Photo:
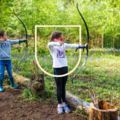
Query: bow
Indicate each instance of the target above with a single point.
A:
(87, 42)
(26, 35)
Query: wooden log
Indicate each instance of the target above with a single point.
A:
(36, 83)
(105, 111)
(77, 103)
(24, 81)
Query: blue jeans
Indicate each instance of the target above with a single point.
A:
(8, 65)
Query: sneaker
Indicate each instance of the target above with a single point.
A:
(66, 108)
(60, 110)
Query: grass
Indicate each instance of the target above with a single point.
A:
(19, 108)
(12, 106)
(81, 112)
(101, 74)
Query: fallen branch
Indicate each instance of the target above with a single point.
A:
(24, 81)
(77, 103)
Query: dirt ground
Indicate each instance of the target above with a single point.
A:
(13, 107)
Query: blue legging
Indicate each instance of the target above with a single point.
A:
(61, 83)
(6, 63)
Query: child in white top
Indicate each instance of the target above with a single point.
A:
(57, 50)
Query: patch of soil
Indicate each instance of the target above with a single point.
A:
(13, 107)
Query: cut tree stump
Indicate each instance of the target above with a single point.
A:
(105, 111)
(37, 85)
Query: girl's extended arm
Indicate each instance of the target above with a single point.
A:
(67, 46)
(16, 41)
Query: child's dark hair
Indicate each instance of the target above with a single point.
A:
(55, 34)
(2, 33)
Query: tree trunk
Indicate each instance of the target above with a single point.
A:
(20, 79)
(102, 40)
(92, 43)
(113, 35)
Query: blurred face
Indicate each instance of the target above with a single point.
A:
(59, 39)
(4, 36)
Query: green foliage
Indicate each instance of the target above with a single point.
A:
(27, 93)
(102, 18)
(42, 51)
(81, 112)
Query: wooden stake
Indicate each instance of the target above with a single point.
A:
(112, 97)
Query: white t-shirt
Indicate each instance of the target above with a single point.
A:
(58, 53)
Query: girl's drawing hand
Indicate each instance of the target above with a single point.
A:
(86, 45)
